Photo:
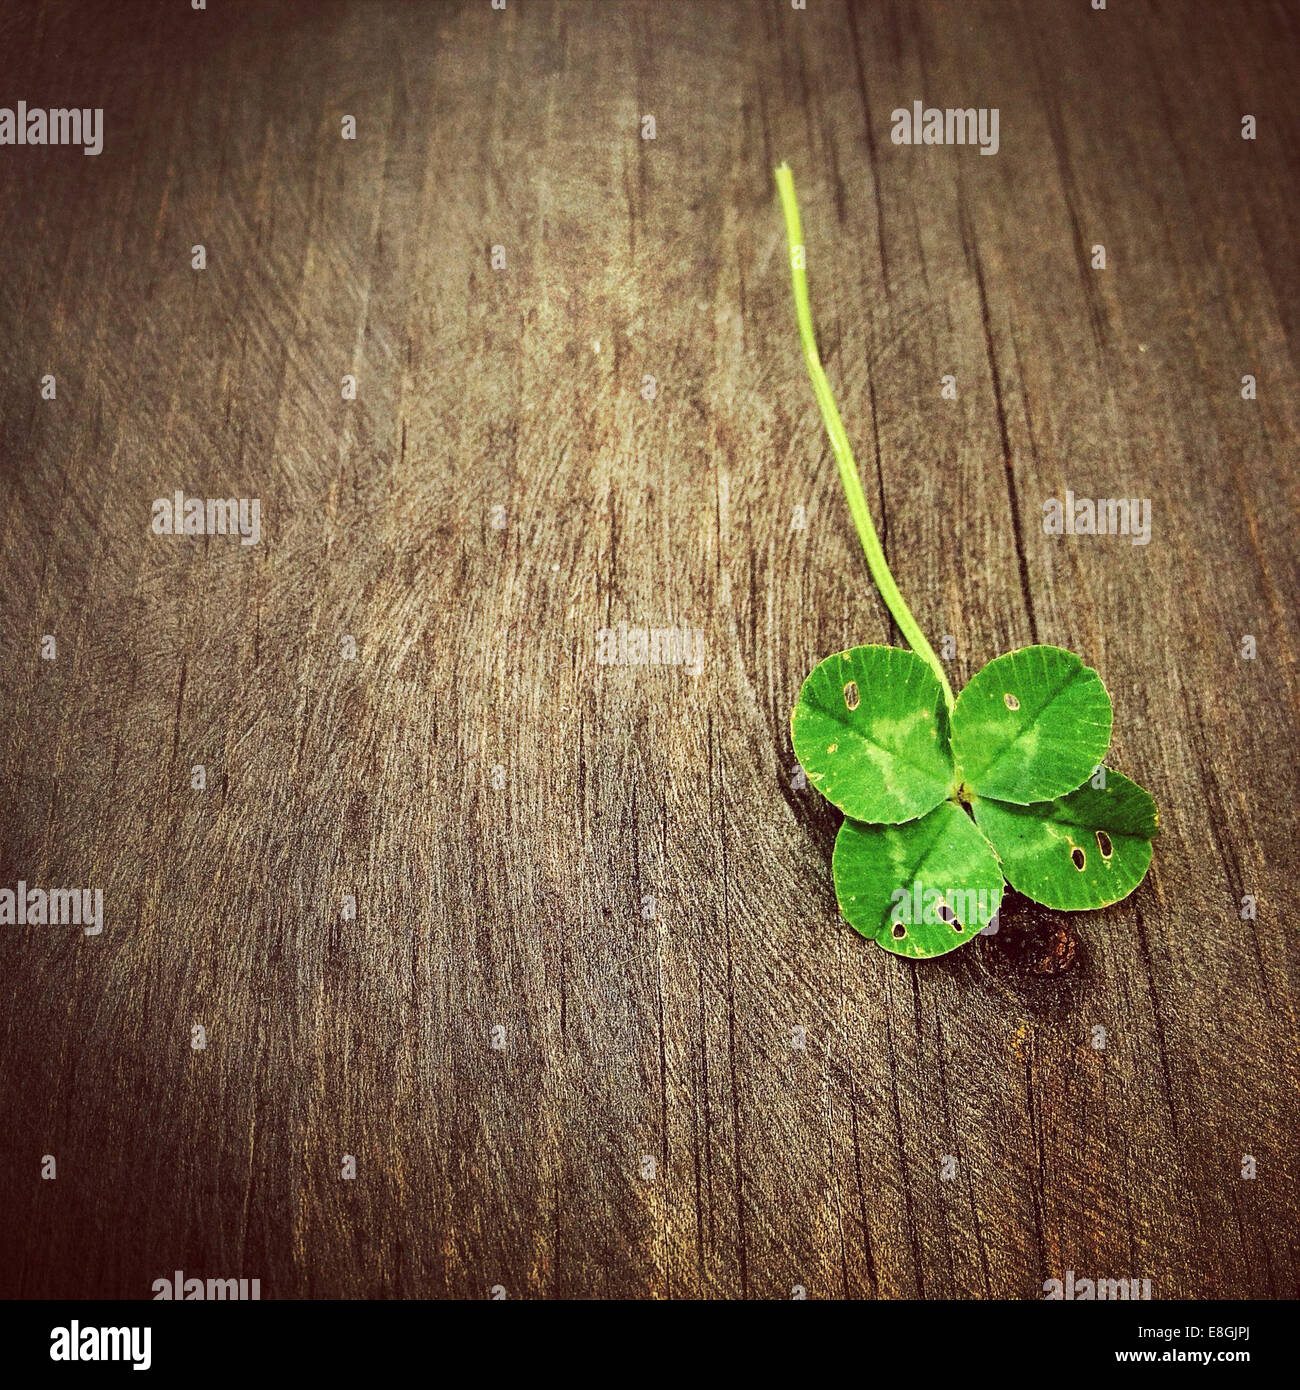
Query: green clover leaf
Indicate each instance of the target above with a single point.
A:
(880, 735)
(919, 889)
(1032, 725)
(871, 732)
(1087, 849)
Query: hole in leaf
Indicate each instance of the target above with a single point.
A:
(900, 931)
(1104, 844)
(852, 697)
(1079, 858)
(1010, 700)
(946, 915)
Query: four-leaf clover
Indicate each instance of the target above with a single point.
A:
(945, 798)
(1022, 748)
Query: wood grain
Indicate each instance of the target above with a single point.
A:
(632, 1029)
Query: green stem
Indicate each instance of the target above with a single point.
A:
(857, 500)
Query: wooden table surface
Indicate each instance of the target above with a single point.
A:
(594, 911)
